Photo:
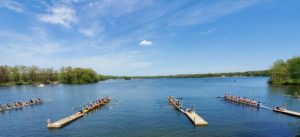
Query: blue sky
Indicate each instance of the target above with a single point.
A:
(149, 37)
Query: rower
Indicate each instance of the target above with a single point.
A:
(177, 103)
(259, 104)
(49, 121)
(79, 112)
(15, 104)
(25, 103)
(278, 108)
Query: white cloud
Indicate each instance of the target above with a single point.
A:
(196, 15)
(209, 31)
(33, 44)
(12, 5)
(35, 49)
(61, 15)
(92, 30)
(112, 62)
(145, 43)
(110, 52)
(114, 7)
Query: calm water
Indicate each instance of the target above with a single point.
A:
(140, 108)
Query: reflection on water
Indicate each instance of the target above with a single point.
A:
(289, 90)
(286, 96)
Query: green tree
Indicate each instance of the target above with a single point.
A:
(16, 75)
(4, 74)
(279, 72)
(24, 73)
(294, 68)
(33, 74)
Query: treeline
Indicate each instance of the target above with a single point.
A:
(286, 72)
(21, 75)
(71, 75)
(230, 74)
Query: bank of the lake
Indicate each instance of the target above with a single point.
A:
(140, 108)
(285, 72)
(33, 75)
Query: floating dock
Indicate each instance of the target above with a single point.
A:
(195, 118)
(65, 121)
(288, 112)
(192, 115)
(71, 118)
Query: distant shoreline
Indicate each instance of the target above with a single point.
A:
(263, 73)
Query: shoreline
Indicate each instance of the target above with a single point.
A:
(141, 77)
(115, 78)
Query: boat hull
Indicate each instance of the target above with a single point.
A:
(253, 105)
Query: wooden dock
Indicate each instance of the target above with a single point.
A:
(71, 118)
(65, 121)
(288, 112)
(192, 115)
(195, 118)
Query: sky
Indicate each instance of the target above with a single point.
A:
(149, 37)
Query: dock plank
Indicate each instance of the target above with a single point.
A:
(288, 112)
(64, 121)
(71, 118)
(196, 119)
(192, 115)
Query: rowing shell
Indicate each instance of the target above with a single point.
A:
(256, 105)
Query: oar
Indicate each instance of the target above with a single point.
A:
(264, 107)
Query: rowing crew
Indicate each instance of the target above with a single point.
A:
(94, 105)
(19, 104)
(242, 100)
(175, 102)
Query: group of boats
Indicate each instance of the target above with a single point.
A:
(20, 104)
(258, 104)
(191, 114)
(86, 109)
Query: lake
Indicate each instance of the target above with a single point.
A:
(139, 108)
